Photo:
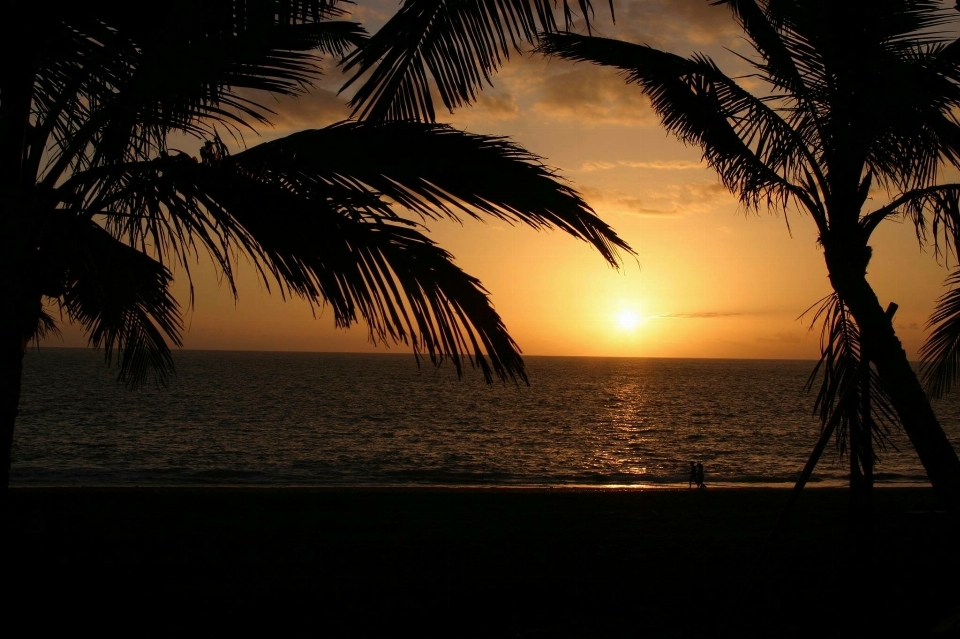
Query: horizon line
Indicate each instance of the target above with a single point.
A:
(427, 357)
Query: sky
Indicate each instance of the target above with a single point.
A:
(709, 279)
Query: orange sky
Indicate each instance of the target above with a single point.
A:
(710, 279)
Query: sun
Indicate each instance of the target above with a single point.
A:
(628, 319)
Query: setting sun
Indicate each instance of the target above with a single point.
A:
(628, 319)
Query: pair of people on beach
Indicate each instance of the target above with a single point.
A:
(696, 476)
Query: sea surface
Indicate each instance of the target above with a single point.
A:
(329, 419)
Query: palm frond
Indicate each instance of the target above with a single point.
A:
(940, 354)
(312, 211)
(900, 122)
(752, 148)
(850, 396)
(327, 243)
(121, 84)
(435, 170)
(122, 299)
(934, 212)
(458, 44)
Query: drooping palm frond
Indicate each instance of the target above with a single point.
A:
(312, 211)
(935, 214)
(458, 44)
(940, 354)
(122, 298)
(362, 261)
(850, 396)
(755, 152)
(435, 170)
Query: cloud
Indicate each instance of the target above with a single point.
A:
(658, 165)
(677, 25)
(673, 200)
(590, 95)
(372, 14)
(491, 104)
(703, 315)
(316, 109)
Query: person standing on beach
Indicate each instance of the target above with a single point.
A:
(699, 473)
(693, 476)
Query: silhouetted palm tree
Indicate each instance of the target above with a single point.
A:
(96, 207)
(858, 93)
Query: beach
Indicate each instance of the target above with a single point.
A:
(487, 562)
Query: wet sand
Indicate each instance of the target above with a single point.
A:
(483, 562)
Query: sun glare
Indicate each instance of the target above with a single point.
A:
(628, 319)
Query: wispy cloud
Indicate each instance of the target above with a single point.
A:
(590, 95)
(491, 104)
(703, 315)
(674, 23)
(317, 108)
(673, 200)
(781, 338)
(657, 165)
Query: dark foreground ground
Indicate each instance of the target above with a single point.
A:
(479, 563)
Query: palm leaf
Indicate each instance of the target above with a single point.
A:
(311, 210)
(458, 44)
(122, 298)
(363, 261)
(940, 354)
(850, 395)
(934, 212)
(435, 170)
(132, 81)
(752, 148)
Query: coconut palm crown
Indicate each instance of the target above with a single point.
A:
(97, 208)
(859, 95)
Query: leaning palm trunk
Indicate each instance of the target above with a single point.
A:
(11, 368)
(898, 378)
(16, 317)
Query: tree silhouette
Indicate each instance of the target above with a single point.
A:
(857, 94)
(97, 208)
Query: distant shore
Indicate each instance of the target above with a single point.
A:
(500, 562)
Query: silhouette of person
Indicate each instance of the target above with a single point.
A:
(693, 475)
(700, 483)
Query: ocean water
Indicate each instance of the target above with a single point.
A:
(243, 418)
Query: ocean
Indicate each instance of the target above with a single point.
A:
(338, 419)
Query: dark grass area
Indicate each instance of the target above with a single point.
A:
(484, 563)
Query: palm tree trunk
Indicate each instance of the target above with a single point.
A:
(898, 378)
(12, 349)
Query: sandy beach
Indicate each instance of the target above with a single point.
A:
(501, 562)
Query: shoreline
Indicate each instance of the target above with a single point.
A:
(415, 487)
